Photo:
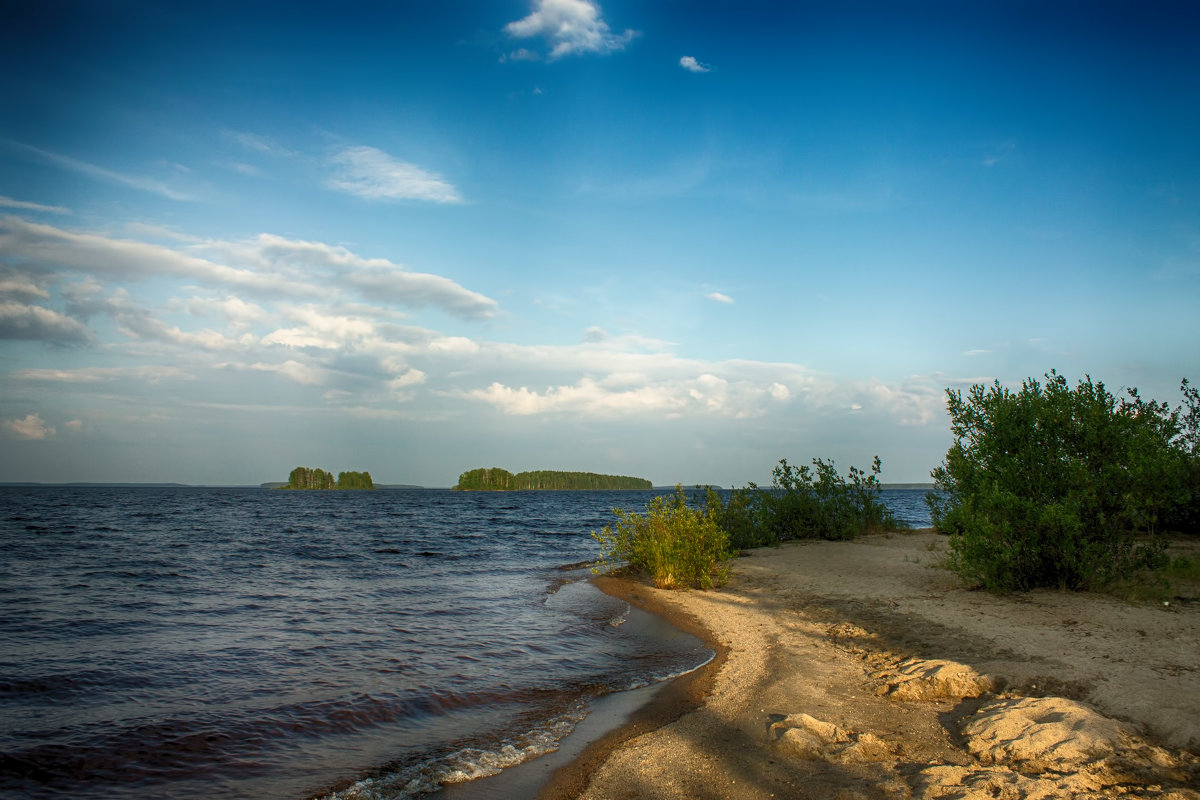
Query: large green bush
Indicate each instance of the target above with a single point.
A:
(1186, 517)
(680, 546)
(1057, 487)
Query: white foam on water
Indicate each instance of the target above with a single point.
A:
(467, 764)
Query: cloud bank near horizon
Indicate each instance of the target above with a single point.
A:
(268, 322)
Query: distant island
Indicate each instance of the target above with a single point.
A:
(496, 479)
(308, 478)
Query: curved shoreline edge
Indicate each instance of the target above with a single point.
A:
(671, 701)
(857, 669)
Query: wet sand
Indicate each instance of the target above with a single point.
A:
(858, 670)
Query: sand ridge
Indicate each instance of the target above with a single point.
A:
(856, 670)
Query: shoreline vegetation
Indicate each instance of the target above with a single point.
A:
(684, 542)
(496, 479)
(855, 661)
(309, 479)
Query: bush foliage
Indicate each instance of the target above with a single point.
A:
(803, 503)
(1058, 487)
(682, 544)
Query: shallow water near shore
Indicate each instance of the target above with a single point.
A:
(194, 642)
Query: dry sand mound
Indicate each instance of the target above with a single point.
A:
(1042, 734)
(808, 737)
(937, 679)
(1051, 747)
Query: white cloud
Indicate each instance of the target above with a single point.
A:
(22, 287)
(237, 311)
(720, 298)
(586, 397)
(267, 266)
(291, 369)
(46, 248)
(21, 321)
(596, 334)
(692, 65)
(375, 175)
(31, 427)
(571, 26)
(151, 373)
(321, 328)
(417, 289)
(407, 379)
(631, 394)
(24, 205)
(916, 401)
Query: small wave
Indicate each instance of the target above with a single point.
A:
(575, 566)
(662, 677)
(467, 764)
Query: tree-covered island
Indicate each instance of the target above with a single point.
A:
(308, 478)
(496, 479)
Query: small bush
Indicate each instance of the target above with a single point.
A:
(821, 504)
(678, 545)
(740, 516)
(803, 503)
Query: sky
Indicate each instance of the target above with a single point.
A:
(675, 240)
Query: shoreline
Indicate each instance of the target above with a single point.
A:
(668, 703)
(856, 670)
(612, 719)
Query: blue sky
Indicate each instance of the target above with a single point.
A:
(678, 240)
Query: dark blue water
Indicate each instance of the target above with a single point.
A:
(191, 642)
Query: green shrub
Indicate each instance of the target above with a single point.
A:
(802, 503)
(740, 516)
(678, 545)
(819, 503)
(1054, 487)
(1186, 516)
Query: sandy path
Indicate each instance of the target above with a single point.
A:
(856, 670)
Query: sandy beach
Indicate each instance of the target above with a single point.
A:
(850, 670)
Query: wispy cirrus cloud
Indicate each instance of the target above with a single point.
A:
(25, 205)
(256, 143)
(99, 173)
(571, 26)
(692, 65)
(373, 174)
(718, 297)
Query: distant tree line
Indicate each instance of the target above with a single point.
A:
(495, 479)
(309, 478)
